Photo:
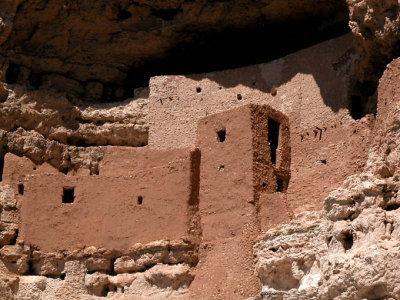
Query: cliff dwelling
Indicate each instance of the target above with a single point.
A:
(199, 149)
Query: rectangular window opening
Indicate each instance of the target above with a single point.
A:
(221, 135)
(280, 185)
(273, 138)
(21, 188)
(68, 195)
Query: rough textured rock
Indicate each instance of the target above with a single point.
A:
(350, 250)
(46, 127)
(95, 48)
(61, 61)
(376, 24)
(88, 272)
(165, 276)
(15, 258)
(8, 215)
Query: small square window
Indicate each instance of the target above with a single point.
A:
(221, 135)
(68, 195)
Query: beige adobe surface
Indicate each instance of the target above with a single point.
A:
(311, 90)
(349, 250)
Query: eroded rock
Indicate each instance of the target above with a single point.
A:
(16, 258)
(350, 249)
(164, 276)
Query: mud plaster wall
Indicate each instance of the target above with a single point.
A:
(227, 210)
(106, 212)
(311, 90)
(232, 171)
(271, 160)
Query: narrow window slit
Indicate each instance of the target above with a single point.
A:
(1, 165)
(21, 188)
(279, 185)
(273, 138)
(140, 200)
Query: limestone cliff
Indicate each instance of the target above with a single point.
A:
(350, 249)
(74, 85)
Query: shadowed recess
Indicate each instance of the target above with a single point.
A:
(149, 40)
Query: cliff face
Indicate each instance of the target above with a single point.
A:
(58, 58)
(74, 79)
(102, 49)
(350, 249)
(376, 24)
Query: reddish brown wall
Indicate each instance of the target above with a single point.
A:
(225, 192)
(312, 90)
(106, 212)
(232, 174)
(226, 207)
(322, 159)
(265, 171)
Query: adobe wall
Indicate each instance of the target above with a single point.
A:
(322, 157)
(310, 87)
(234, 171)
(106, 211)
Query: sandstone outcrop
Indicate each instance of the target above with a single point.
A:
(97, 49)
(126, 187)
(350, 249)
(376, 24)
(46, 127)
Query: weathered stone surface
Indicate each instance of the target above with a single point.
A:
(94, 264)
(122, 281)
(63, 59)
(15, 258)
(104, 41)
(48, 265)
(350, 249)
(376, 24)
(127, 264)
(97, 284)
(7, 197)
(47, 128)
(164, 276)
(5, 290)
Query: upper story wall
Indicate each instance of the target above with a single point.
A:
(242, 155)
(311, 89)
(140, 195)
